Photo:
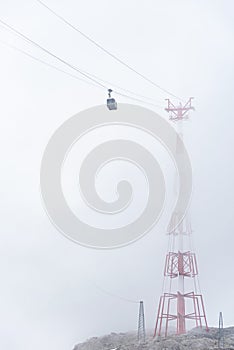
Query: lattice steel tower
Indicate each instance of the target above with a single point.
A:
(141, 323)
(221, 332)
(180, 301)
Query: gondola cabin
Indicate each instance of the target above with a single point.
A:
(110, 102)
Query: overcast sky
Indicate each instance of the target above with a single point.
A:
(49, 295)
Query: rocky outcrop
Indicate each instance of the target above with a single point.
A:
(193, 340)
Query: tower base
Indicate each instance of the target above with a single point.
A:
(179, 308)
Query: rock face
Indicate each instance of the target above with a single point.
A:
(193, 340)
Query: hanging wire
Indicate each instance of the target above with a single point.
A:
(51, 53)
(164, 284)
(193, 249)
(94, 79)
(137, 99)
(172, 250)
(105, 50)
(117, 296)
(45, 63)
(126, 90)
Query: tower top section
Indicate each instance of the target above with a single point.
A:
(179, 112)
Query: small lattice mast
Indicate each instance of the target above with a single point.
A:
(141, 323)
(179, 303)
(221, 332)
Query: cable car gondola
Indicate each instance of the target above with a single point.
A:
(110, 102)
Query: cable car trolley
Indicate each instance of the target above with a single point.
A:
(110, 102)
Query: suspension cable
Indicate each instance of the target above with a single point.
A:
(105, 50)
(94, 79)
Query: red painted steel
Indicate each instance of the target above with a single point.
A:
(164, 315)
(180, 112)
(180, 265)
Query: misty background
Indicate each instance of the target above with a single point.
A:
(49, 285)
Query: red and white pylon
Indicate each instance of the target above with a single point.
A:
(177, 303)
